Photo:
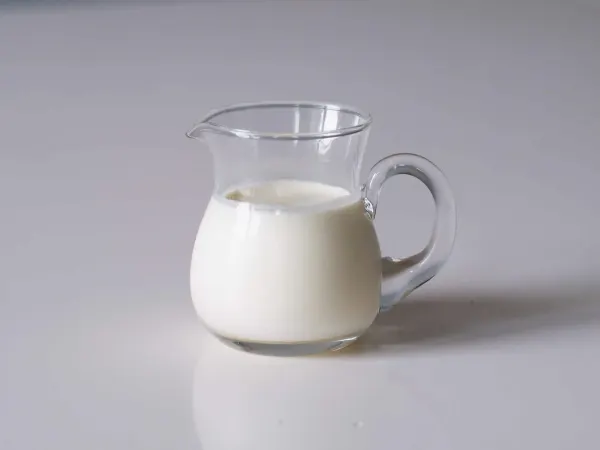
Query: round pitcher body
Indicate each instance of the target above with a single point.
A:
(287, 274)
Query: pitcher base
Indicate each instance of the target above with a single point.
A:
(288, 349)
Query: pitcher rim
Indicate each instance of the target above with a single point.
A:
(207, 124)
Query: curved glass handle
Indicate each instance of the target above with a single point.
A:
(402, 276)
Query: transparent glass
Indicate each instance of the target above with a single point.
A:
(286, 260)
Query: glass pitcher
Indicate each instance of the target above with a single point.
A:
(286, 260)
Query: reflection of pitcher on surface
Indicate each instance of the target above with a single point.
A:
(286, 260)
(246, 403)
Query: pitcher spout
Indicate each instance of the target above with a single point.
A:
(198, 131)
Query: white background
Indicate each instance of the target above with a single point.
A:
(101, 196)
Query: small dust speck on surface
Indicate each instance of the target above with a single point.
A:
(279, 422)
(358, 424)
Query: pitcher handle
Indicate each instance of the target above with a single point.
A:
(402, 276)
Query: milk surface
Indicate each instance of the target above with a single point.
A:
(286, 261)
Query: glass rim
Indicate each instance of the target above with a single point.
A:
(209, 124)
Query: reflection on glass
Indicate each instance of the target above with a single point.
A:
(329, 122)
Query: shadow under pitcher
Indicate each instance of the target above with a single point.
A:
(286, 260)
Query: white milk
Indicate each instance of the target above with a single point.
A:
(286, 261)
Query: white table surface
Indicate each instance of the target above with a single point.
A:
(101, 196)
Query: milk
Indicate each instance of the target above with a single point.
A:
(286, 261)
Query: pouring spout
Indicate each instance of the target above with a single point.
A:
(197, 132)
